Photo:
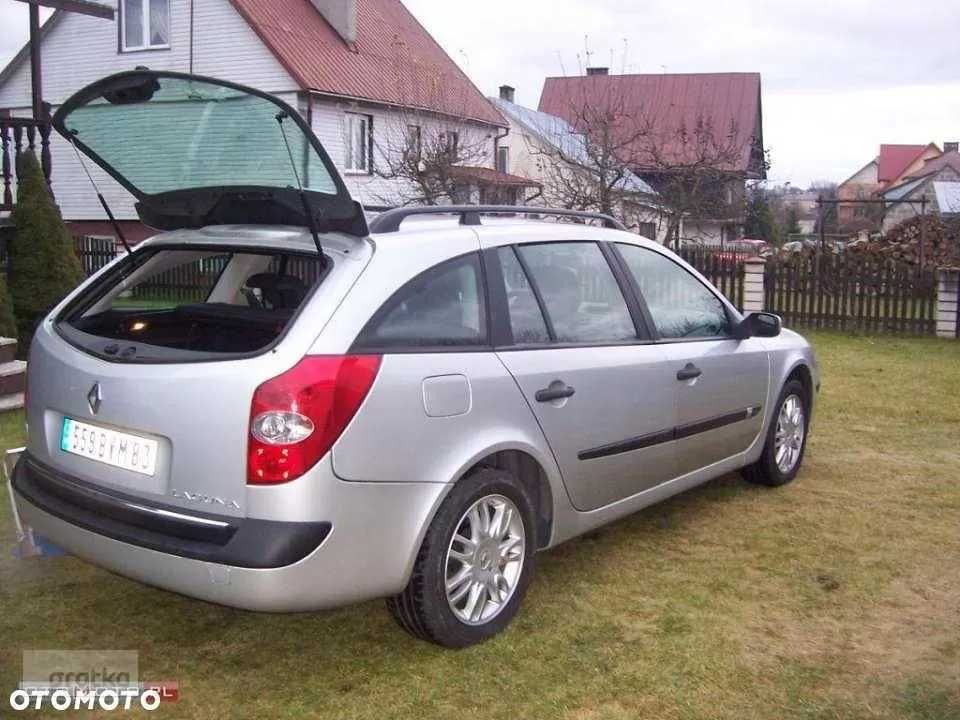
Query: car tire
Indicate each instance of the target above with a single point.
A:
(501, 562)
(783, 436)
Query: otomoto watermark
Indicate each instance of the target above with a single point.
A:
(102, 680)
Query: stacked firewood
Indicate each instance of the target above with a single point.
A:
(940, 242)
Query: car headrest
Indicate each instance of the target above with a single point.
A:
(280, 292)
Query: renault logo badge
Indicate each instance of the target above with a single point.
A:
(94, 398)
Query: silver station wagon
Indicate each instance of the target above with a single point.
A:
(272, 406)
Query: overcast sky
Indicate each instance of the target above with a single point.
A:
(839, 76)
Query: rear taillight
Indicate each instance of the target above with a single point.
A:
(295, 418)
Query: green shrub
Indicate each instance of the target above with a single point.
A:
(8, 325)
(43, 263)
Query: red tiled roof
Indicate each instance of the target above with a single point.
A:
(394, 60)
(894, 159)
(666, 104)
(489, 176)
(950, 159)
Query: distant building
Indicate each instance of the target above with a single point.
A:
(544, 147)
(898, 173)
(667, 112)
(862, 185)
(898, 162)
(937, 180)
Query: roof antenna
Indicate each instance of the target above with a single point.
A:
(311, 220)
(103, 203)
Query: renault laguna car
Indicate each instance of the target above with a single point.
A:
(271, 406)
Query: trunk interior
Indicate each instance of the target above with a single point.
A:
(207, 328)
(192, 304)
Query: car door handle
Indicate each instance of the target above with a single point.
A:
(689, 372)
(556, 391)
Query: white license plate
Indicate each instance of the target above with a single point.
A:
(110, 447)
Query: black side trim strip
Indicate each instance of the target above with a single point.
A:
(623, 446)
(702, 426)
(675, 433)
(239, 542)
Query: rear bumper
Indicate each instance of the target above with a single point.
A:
(371, 540)
(238, 542)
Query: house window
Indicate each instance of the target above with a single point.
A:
(503, 159)
(358, 143)
(414, 140)
(453, 145)
(144, 24)
(647, 230)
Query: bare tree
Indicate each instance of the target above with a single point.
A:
(418, 150)
(423, 158)
(693, 169)
(586, 166)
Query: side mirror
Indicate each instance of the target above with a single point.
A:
(759, 324)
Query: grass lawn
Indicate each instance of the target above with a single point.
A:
(835, 597)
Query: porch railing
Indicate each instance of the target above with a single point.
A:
(18, 135)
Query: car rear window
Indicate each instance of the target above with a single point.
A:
(166, 304)
(442, 307)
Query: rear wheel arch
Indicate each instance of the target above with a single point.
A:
(531, 474)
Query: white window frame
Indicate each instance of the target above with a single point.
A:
(453, 145)
(503, 152)
(145, 20)
(350, 159)
(415, 140)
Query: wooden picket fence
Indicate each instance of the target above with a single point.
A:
(852, 292)
(192, 282)
(94, 252)
(723, 268)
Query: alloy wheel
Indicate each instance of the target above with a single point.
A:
(485, 559)
(791, 427)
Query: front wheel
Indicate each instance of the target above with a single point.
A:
(786, 439)
(475, 563)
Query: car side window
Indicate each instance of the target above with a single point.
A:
(680, 304)
(526, 320)
(579, 291)
(440, 307)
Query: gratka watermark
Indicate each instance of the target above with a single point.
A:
(104, 680)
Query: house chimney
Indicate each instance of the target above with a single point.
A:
(598, 71)
(342, 16)
(506, 93)
(953, 146)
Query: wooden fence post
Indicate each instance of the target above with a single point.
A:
(948, 289)
(753, 284)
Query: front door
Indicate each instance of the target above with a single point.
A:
(720, 411)
(601, 393)
(720, 383)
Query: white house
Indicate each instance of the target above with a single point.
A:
(364, 73)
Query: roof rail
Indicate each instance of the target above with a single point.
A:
(390, 220)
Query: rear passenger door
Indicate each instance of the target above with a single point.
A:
(581, 355)
(720, 382)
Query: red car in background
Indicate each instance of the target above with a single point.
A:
(744, 248)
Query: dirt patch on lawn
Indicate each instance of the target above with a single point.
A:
(910, 631)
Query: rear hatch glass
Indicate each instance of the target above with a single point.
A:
(184, 305)
(199, 151)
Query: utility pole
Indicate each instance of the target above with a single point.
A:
(83, 7)
(923, 224)
(36, 81)
(822, 216)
